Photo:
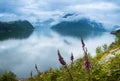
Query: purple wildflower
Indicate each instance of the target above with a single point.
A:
(31, 74)
(61, 60)
(72, 57)
(83, 44)
(36, 68)
(87, 64)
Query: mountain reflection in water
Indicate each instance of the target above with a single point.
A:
(15, 34)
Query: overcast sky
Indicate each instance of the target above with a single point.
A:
(105, 11)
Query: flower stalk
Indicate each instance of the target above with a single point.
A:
(87, 64)
(72, 59)
(31, 74)
(61, 60)
(37, 69)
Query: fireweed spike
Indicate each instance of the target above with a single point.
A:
(36, 68)
(87, 64)
(31, 74)
(83, 44)
(72, 57)
(61, 60)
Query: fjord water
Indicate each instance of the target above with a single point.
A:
(20, 54)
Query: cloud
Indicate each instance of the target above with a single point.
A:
(95, 6)
(104, 11)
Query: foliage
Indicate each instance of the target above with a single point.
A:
(105, 47)
(118, 37)
(8, 76)
(108, 71)
(117, 40)
(99, 52)
(114, 69)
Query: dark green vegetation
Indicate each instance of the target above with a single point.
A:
(15, 26)
(117, 33)
(108, 71)
(8, 76)
(15, 29)
(78, 28)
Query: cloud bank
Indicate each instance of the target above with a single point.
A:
(105, 11)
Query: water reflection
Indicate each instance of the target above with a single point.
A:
(40, 48)
(15, 35)
(78, 34)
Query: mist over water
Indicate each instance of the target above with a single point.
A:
(20, 55)
(20, 51)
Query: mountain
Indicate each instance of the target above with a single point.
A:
(117, 33)
(15, 26)
(78, 27)
(115, 29)
(67, 15)
(15, 29)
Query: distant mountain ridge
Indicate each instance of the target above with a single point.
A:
(74, 28)
(15, 26)
(67, 15)
(15, 29)
(116, 27)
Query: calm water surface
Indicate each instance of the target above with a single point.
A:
(21, 54)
